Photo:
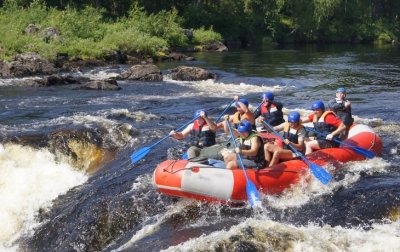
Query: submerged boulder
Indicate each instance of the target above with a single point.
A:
(101, 85)
(186, 73)
(148, 72)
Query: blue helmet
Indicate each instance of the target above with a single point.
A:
(197, 113)
(318, 105)
(245, 126)
(268, 96)
(341, 90)
(244, 101)
(294, 117)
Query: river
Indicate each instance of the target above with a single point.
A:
(52, 200)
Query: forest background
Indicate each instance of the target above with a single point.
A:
(91, 29)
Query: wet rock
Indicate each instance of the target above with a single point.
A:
(86, 149)
(148, 72)
(57, 80)
(30, 64)
(61, 59)
(215, 46)
(186, 73)
(117, 56)
(177, 57)
(79, 65)
(101, 85)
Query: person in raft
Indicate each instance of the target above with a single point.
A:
(341, 107)
(242, 113)
(325, 122)
(202, 137)
(250, 147)
(270, 111)
(293, 133)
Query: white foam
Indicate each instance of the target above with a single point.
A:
(211, 88)
(305, 191)
(269, 236)
(29, 180)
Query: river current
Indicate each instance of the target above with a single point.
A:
(97, 201)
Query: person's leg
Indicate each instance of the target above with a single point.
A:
(212, 152)
(311, 146)
(281, 154)
(230, 160)
(193, 152)
(267, 154)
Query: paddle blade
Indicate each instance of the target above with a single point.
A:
(320, 173)
(362, 151)
(252, 194)
(138, 155)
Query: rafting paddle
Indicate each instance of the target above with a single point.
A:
(223, 112)
(138, 155)
(320, 173)
(359, 150)
(251, 190)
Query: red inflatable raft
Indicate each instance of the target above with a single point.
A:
(182, 178)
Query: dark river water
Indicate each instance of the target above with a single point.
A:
(52, 197)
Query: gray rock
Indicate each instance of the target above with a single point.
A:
(186, 73)
(148, 72)
(101, 85)
(30, 64)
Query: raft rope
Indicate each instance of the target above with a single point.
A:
(170, 170)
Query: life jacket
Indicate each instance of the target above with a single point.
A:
(272, 114)
(321, 126)
(344, 114)
(245, 144)
(201, 136)
(237, 118)
(291, 134)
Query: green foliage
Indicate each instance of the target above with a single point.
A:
(90, 29)
(165, 24)
(202, 35)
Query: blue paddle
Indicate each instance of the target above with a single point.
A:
(138, 155)
(223, 112)
(251, 190)
(320, 173)
(359, 150)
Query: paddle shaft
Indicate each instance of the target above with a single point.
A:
(223, 112)
(359, 150)
(239, 156)
(251, 189)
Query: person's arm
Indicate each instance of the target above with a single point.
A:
(336, 132)
(280, 127)
(336, 122)
(307, 119)
(183, 134)
(210, 122)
